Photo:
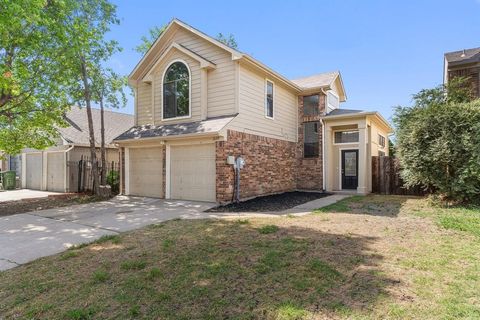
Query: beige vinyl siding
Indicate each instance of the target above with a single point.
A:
(144, 104)
(194, 67)
(251, 116)
(220, 81)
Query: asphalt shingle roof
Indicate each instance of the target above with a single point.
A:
(77, 132)
(466, 55)
(150, 131)
(317, 80)
(338, 112)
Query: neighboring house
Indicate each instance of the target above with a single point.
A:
(198, 102)
(49, 169)
(463, 63)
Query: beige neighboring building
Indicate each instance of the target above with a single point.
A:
(49, 169)
(200, 104)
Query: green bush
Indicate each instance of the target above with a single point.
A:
(113, 180)
(438, 143)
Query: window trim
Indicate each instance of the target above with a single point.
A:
(189, 92)
(319, 129)
(345, 143)
(384, 139)
(317, 108)
(273, 97)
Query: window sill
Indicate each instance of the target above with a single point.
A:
(176, 118)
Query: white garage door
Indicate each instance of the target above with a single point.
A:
(145, 175)
(34, 171)
(56, 171)
(192, 172)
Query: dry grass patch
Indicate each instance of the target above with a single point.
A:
(364, 258)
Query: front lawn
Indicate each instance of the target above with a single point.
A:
(375, 257)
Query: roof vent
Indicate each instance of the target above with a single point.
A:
(463, 53)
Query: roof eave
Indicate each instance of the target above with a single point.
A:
(174, 137)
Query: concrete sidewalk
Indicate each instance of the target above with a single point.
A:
(20, 194)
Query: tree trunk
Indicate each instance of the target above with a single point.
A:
(103, 175)
(91, 133)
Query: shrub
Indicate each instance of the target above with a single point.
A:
(113, 180)
(438, 143)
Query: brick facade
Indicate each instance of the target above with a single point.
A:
(270, 165)
(309, 170)
(472, 74)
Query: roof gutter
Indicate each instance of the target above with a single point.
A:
(168, 138)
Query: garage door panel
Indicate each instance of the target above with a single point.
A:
(34, 171)
(146, 171)
(192, 172)
(56, 171)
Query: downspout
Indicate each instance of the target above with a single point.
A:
(324, 184)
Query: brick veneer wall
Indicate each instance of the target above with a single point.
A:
(310, 170)
(473, 76)
(270, 165)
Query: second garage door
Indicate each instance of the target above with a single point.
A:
(192, 172)
(146, 168)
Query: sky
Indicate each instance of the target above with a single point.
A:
(385, 50)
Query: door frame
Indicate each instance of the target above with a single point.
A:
(340, 182)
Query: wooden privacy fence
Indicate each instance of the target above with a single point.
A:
(81, 174)
(386, 178)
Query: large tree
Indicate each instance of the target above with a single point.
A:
(32, 76)
(438, 141)
(85, 24)
(108, 90)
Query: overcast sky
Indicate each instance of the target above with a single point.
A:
(385, 50)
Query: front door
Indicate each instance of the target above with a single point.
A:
(349, 169)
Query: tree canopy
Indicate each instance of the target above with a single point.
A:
(32, 75)
(438, 141)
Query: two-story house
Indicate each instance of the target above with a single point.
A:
(463, 63)
(199, 104)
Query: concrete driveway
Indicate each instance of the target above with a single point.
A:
(26, 237)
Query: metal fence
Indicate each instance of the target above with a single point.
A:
(81, 175)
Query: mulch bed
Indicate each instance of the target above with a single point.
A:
(276, 202)
(50, 202)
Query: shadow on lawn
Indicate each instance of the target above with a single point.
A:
(208, 269)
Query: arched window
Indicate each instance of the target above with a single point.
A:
(176, 91)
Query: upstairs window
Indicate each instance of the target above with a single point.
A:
(310, 139)
(269, 99)
(333, 102)
(381, 141)
(176, 91)
(346, 137)
(311, 105)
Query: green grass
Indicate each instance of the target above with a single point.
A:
(340, 206)
(268, 229)
(388, 258)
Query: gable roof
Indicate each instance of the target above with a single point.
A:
(463, 56)
(77, 131)
(321, 80)
(236, 55)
